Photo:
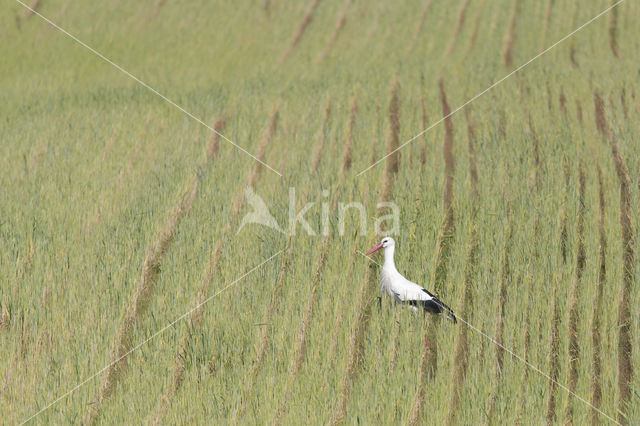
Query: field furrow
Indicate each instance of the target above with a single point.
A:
(429, 358)
(574, 345)
(596, 327)
(356, 345)
(625, 348)
(300, 30)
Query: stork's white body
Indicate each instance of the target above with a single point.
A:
(395, 285)
(401, 289)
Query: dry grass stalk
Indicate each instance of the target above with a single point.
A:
(447, 149)
(547, 21)
(574, 347)
(317, 152)
(33, 8)
(554, 360)
(509, 40)
(505, 283)
(421, 21)
(355, 355)
(142, 298)
(5, 316)
(395, 333)
(275, 298)
(363, 312)
(625, 348)
(596, 378)
(473, 167)
(195, 318)
(536, 155)
(425, 123)
(262, 147)
(428, 359)
(613, 30)
(528, 325)
(342, 21)
(263, 342)
(476, 29)
(214, 143)
(623, 102)
(300, 349)
(393, 141)
(562, 100)
(24, 266)
(348, 146)
(461, 350)
(563, 212)
(308, 17)
(157, 7)
(459, 24)
(572, 47)
(579, 111)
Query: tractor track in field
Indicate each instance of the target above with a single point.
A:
(346, 166)
(510, 36)
(613, 30)
(596, 378)
(151, 270)
(33, 8)
(340, 24)
(319, 149)
(554, 357)
(421, 21)
(562, 101)
(505, 283)
(563, 211)
(623, 102)
(264, 340)
(537, 179)
(425, 124)
(574, 346)
(572, 45)
(8, 315)
(476, 29)
(195, 320)
(429, 356)
(625, 348)
(462, 15)
(348, 146)
(548, 11)
(302, 27)
(529, 324)
(554, 348)
(579, 112)
(461, 349)
(156, 8)
(356, 350)
(124, 178)
(298, 356)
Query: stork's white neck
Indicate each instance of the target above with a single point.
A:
(389, 264)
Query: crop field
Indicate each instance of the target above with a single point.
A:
(136, 136)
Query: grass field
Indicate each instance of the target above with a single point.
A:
(119, 213)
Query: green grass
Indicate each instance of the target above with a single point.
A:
(93, 163)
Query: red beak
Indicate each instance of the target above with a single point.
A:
(375, 249)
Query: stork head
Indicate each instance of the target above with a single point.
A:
(386, 242)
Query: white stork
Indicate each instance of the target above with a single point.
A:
(403, 290)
